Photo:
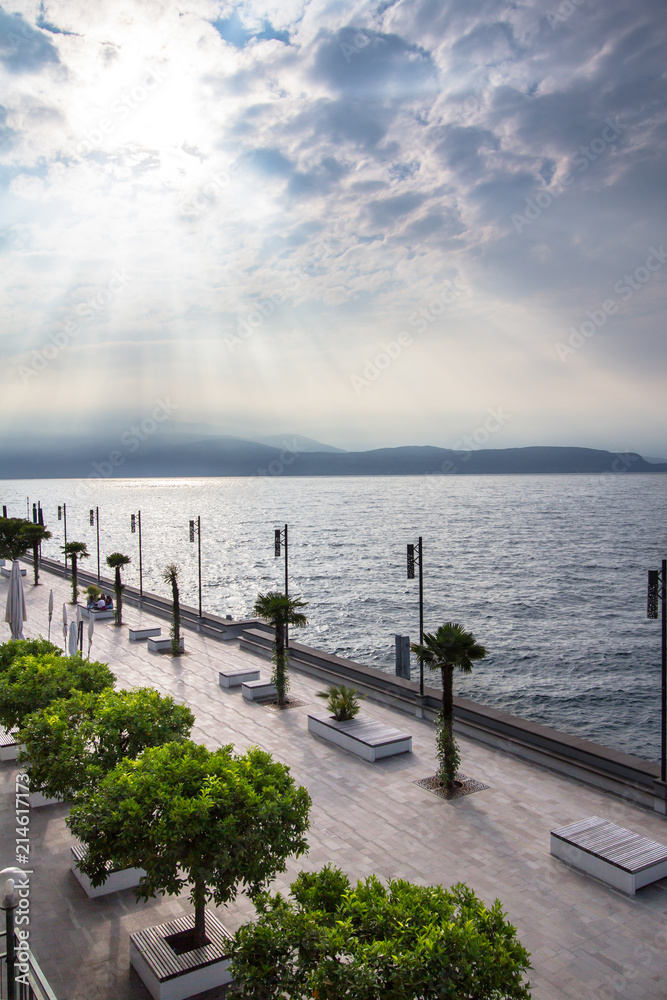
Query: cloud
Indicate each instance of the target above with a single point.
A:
(23, 49)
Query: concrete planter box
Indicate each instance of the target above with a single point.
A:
(137, 634)
(125, 878)
(9, 748)
(97, 616)
(163, 645)
(258, 690)
(169, 976)
(235, 676)
(366, 738)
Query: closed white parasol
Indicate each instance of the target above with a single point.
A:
(16, 614)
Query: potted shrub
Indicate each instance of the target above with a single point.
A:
(342, 702)
(217, 821)
(363, 737)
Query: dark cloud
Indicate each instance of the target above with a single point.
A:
(6, 133)
(367, 64)
(22, 49)
(387, 212)
(232, 29)
(270, 161)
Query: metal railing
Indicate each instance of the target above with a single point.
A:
(36, 987)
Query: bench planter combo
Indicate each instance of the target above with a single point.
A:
(98, 615)
(9, 748)
(170, 976)
(137, 634)
(7, 572)
(258, 690)
(235, 676)
(163, 645)
(117, 880)
(366, 738)
(619, 857)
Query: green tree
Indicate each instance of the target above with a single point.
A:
(170, 576)
(13, 543)
(280, 611)
(72, 743)
(401, 941)
(449, 647)
(76, 551)
(16, 648)
(35, 534)
(33, 682)
(115, 561)
(188, 815)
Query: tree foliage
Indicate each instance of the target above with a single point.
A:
(72, 743)
(188, 815)
(16, 648)
(401, 941)
(13, 542)
(342, 701)
(75, 551)
(115, 562)
(280, 611)
(35, 534)
(33, 682)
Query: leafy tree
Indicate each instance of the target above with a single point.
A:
(16, 648)
(13, 543)
(76, 551)
(72, 743)
(449, 647)
(401, 941)
(35, 534)
(280, 611)
(189, 815)
(170, 576)
(115, 561)
(34, 681)
(342, 701)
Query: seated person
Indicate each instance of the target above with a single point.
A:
(101, 603)
(108, 603)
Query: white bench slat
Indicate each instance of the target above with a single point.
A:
(615, 844)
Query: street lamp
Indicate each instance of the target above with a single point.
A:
(62, 516)
(280, 536)
(195, 526)
(657, 592)
(134, 520)
(95, 519)
(9, 900)
(417, 557)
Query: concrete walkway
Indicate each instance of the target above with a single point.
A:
(588, 942)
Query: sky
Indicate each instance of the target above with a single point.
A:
(375, 224)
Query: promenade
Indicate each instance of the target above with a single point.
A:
(588, 941)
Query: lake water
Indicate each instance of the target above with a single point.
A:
(548, 572)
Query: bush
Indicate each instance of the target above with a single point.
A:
(400, 941)
(342, 701)
(12, 650)
(33, 682)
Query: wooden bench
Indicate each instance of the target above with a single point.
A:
(137, 634)
(366, 738)
(169, 976)
(117, 880)
(9, 748)
(233, 676)
(163, 645)
(258, 690)
(619, 857)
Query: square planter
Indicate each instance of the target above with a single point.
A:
(364, 737)
(235, 676)
(163, 645)
(170, 976)
(117, 880)
(258, 690)
(137, 634)
(9, 748)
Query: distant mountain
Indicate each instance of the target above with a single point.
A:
(297, 443)
(166, 453)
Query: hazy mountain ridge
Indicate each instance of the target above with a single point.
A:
(175, 453)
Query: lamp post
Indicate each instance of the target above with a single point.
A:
(416, 557)
(95, 519)
(62, 516)
(9, 900)
(134, 520)
(657, 593)
(280, 536)
(195, 526)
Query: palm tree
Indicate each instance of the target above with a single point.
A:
(35, 534)
(170, 576)
(115, 561)
(450, 646)
(76, 551)
(279, 611)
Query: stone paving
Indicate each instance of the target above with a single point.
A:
(587, 940)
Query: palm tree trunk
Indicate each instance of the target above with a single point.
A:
(280, 663)
(75, 579)
(199, 898)
(35, 562)
(119, 598)
(175, 620)
(447, 672)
